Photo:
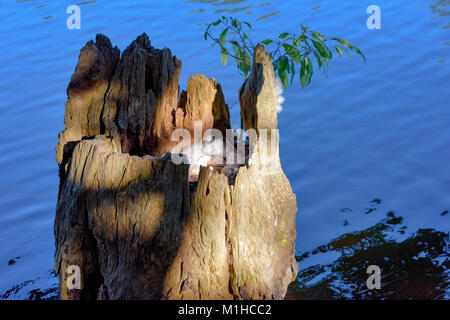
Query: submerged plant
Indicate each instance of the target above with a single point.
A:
(287, 51)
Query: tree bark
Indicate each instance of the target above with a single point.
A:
(128, 217)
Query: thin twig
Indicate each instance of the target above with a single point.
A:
(240, 36)
(217, 41)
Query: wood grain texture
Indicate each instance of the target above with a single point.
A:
(127, 215)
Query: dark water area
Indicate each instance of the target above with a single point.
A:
(366, 149)
(417, 267)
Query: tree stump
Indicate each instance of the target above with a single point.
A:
(127, 215)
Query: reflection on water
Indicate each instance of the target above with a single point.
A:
(268, 15)
(417, 267)
(196, 11)
(217, 2)
(338, 148)
(33, 289)
(414, 268)
(86, 2)
(231, 10)
(440, 8)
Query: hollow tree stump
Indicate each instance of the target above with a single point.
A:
(127, 215)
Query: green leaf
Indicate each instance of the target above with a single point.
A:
(224, 56)
(247, 63)
(237, 49)
(292, 71)
(310, 68)
(317, 35)
(215, 24)
(233, 42)
(282, 67)
(343, 42)
(283, 63)
(303, 73)
(248, 24)
(286, 46)
(236, 23)
(324, 52)
(267, 41)
(206, 31)
(339, 51)
(346, 51)
(293, 52)
(299, 40)
(233, 22)
(319, 59)
(306, 71)
(320, 49)
(222, 37)
(359, 52)
(238, 53)
(283, 77)
(337, 39)
(283, 35)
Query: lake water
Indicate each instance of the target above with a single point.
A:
(369, 139)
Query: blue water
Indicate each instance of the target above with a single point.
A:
(374, 130)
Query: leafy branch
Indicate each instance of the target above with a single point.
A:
(287, 52)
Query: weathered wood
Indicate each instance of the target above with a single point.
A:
(142, 95)
(129, 218)
(120, 219)
(258, 94)
(86, 92)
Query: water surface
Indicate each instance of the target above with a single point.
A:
(374, 131)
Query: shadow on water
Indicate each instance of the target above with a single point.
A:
(414, 268)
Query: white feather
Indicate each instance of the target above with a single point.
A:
(279, 91)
